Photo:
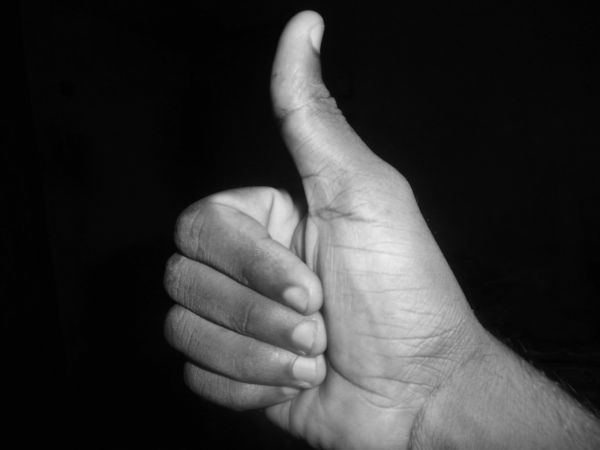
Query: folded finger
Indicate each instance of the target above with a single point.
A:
(239, 357)
(232, 393)
(222, 300)
(247, 234)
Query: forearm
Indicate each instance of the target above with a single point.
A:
(497, 400)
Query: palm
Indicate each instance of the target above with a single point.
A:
(386, 311)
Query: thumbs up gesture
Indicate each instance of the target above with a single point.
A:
(342, 319)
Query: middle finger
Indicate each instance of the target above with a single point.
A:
(222, 300)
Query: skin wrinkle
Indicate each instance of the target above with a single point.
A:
(191, 334)
(424, 357)
(315, 105)
(330, 214)
(320, 178)
(391, 290)
(350, 213)
(345, 196)
(385, 244)
(306, 140)
(359, 386)
(269, 215)
(314, 175)
(292, 217)
(183, 290)
(399, 306)
(192, 379)
(393, 403)
(242, 320)
(198, 233)
(173, 276)
(245, 368)
(406, 338)
(353, 204)
(196, 230)
(367, 273)
(313, 93)
(386, 327)
(398, 356)
(404, 382)
(368, 250)
(244, 279)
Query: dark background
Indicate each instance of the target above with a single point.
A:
(128, 111)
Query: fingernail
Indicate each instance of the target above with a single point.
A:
(316, 36)
(303, 336)
(297, 298)
(305, 371)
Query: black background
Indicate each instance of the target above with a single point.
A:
(128, 111)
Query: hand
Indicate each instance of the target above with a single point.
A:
(263, 286)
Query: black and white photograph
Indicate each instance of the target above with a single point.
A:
(335, 225)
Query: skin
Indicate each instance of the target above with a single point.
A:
(264, 286)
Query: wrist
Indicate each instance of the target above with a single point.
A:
(453, 408)
(496, 400)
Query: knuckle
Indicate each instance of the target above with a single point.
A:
(278, 360)
(234, 397)
(182, 225)
(301, 121)
(191, 340)
(300, 90)
(195, 379)
(173, 323)
(243, 319)
(355, 200)
(242, 367)
(208, 385)
(249, 364)
(191, 378)
(190, 225)
(173, 275)
(185, 334)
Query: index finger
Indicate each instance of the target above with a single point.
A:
(248, 235)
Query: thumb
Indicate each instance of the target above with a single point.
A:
(325, 149)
